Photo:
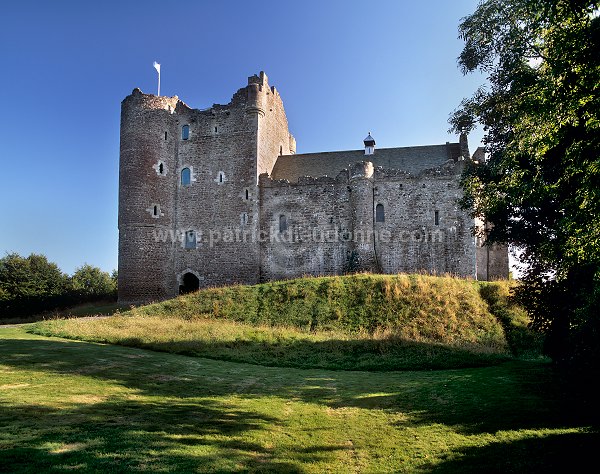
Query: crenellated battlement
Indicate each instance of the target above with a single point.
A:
(151, 102)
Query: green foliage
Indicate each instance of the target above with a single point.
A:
(522, 340)
(91, 282)
(30, 285)
(352, 262)
(32, 276)
(540, 186)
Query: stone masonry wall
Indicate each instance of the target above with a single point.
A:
(274, 138)
(144, 264)
(424, 226)
(329, 219)
(318, 217)
(221, 152)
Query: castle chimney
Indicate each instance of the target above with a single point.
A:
(369, 145)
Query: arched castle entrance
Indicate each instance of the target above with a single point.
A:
(188, 283)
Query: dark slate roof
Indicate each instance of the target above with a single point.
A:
(412, 159)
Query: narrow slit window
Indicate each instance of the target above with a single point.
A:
(190, 239)
(161, 168)
(247, 195)
(155, 210)
(165, 135)
(220, 177)
(436, 217)
(245, 218)
(185, 132)
(280, 150)
(215, 129)
(283, 224)
(379, 213)
(186, 177)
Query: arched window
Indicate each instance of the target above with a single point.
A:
(186, 177)
(185, 132)
(283, 225)
(190, 239)
(379, 213)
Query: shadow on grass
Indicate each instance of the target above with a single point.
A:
(560, 453)
(123, 434)
(387, 354)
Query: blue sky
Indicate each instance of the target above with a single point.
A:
(343, 68)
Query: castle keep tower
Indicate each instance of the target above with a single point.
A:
(147, 190)
(188, 189)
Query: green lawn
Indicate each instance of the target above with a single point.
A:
(78, 406)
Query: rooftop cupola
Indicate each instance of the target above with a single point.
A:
(369, 144)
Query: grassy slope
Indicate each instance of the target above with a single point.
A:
(362, 322)
(270, 346)
(416, 307)
(76, 406)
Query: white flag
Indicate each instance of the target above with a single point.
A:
(157, 67)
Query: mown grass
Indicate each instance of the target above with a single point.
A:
(71, 406)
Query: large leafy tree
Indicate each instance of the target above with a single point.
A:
(540, 183)
(91, 282)
(30, 284)
(31, 277)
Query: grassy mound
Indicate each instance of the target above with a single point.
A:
(415, 307)
(360, 322)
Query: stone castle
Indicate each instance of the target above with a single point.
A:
(219, 196)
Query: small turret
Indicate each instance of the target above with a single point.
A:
(257, 87)
(369, 145)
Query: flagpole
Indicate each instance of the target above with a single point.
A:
(157, 67)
